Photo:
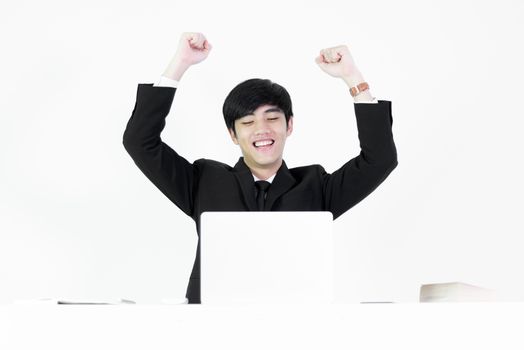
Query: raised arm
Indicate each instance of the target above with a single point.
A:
(378, 156)
(169, 172)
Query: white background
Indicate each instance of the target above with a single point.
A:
(78, 218)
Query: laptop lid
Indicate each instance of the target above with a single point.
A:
(266, 257)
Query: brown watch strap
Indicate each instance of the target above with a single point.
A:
(357, 89)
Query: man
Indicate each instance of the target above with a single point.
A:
(259, 117)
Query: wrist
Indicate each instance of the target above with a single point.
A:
(353, 79)
(175, 70)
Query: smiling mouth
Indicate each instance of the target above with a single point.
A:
(263, 143)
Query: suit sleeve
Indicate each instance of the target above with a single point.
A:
(363, 174)
(168, 171)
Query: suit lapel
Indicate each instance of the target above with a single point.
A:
(246, 183)
(282, 182)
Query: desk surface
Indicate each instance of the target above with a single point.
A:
(339, 326)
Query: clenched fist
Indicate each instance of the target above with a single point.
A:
(337, 62)
(192, 49)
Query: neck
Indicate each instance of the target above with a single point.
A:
(264, 173)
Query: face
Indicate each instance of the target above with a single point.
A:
(262, 137)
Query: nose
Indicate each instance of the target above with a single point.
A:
(262, 128)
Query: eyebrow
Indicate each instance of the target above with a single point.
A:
(269, 110)
(273, 109)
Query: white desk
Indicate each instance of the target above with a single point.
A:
(340, 326)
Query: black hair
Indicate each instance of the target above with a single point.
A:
(247, 96)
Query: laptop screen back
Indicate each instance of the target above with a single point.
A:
(266, 257)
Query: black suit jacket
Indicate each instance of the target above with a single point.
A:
(207, 185)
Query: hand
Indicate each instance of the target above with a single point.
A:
(192, 49)
(337, 62)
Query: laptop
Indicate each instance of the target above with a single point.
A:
(266, 257)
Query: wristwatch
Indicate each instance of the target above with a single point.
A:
(357, 89)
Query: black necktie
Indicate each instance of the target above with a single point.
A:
(261, 187)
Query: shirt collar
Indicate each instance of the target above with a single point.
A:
(270, 180)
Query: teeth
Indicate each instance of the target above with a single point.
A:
(263, 143)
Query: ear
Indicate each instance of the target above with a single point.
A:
(233, 136)
(290, 126)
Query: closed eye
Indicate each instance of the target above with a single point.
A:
(247, 123)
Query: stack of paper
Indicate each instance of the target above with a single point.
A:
(455, 291)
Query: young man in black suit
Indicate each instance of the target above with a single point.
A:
(259, 117)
